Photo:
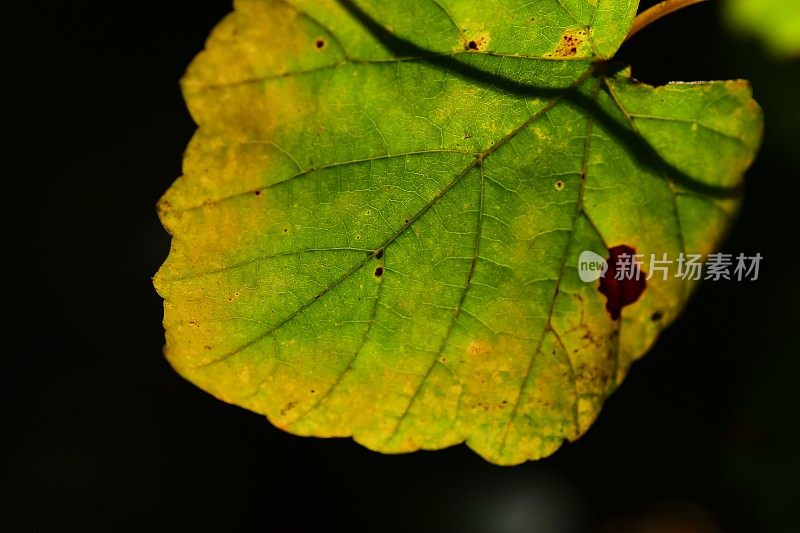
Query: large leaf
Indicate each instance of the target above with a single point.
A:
(381, 213)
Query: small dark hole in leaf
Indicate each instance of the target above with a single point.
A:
(320, 43)
(379, 272)
(379, 254)
(258, 193)
(658, 315)
(473, 45)
(286, 230)
(559, 185)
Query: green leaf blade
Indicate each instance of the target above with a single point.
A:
(385, 247)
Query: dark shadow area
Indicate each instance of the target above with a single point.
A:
(102, 435)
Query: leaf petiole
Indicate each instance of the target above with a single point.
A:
(656, 12)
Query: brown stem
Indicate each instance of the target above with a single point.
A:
(656, 12)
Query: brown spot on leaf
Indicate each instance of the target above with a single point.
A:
(289, 406)
(478, 348)
(475, 44)
(569, 44)
(320, 43)
(379, 272)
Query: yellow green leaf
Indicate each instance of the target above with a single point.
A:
(378, 227)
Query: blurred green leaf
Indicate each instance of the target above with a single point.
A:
(775, 22)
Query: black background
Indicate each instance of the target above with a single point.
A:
(103, 435)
